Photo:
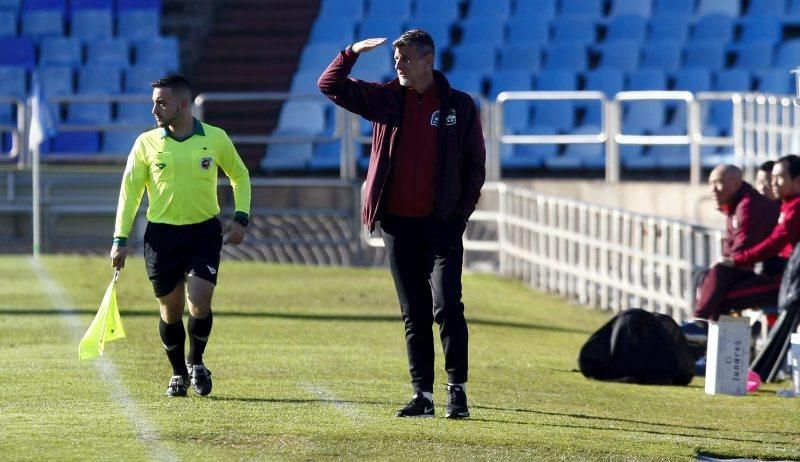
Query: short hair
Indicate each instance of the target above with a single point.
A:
(175, 82)
(417, 38)
(766, 167)
(792, 163)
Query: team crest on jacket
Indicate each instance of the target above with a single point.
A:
(205, 163)
(450, 120)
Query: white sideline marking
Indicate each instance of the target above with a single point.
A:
(348, 409)
(145, 430)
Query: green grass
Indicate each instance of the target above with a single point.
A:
(309, 363)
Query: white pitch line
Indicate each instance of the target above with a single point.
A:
(348, 409)
(145, 430)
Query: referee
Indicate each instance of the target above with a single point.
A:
(177, 164)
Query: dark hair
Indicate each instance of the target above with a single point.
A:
(767, 166)
(792, 163)
(177, 83)
(417, 38)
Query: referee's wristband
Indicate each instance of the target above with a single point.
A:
(120, 241)
(242, 218)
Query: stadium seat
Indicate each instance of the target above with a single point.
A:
(138, 78)
(111, 52)
(135, 113)
(788, 54)
(592, 9)
(443, 10)
(467, 80)
(776, 81)
(534, 32)
(513, 80)
(282, 157)
(516, 116)
(73, 143)
(88, 113)
(10, 5)
(38, 24)
(118, 142)
(12, 83)
(92, 25)
(483, 31)
(374, 66)
(709, 54)
(732, 80)
(77, 5)
(627, 27)
(334, 28)
(518, 56)
(671, 27)
(397, 9)
(752, 56)
(759, 29)
(607, 80)
(304, 83)
(558, 115)
(474, 57)
(60, 51)
(792, 16)
(485, 9)
(305, 117)
(138, 24)
(574, 30)
(351, 8)
(317, 56)
(380, 27)
(124, 5)
(527, 156)
(627, 7)
(535, 9)
(99, 80)
(718, 6)
(619, 54)
(56, 81)
(158, 51)
(565, 56)
(592, 156)
(768, 7)
(17, 51)
(35, 5)
(644, 115)
(325, 157)
(692, 79)
(438, 28)
(8, 23)
(683, 8)
(714, 26)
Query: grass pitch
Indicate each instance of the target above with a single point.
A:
(309, 363)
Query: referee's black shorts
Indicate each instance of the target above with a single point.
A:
(171, 252)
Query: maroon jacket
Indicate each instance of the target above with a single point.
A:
(461, 154)
(781, 241)
(750, 217)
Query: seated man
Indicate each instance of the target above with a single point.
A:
(750, 217)
(763, 182)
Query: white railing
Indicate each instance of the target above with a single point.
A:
(17, 130)
(770, 128)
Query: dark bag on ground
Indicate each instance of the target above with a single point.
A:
(637, 346)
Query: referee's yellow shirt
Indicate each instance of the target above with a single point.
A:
(180, 177)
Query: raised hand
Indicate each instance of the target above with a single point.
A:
(368, 44)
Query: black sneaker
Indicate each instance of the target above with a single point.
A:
(177, 386)
(201, 378)
(419, 406)
(456, 403)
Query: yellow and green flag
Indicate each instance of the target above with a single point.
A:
(106, 326)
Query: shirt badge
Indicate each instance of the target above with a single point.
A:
(780, 218)
(735, 223)
(205, 163)
(449, 120)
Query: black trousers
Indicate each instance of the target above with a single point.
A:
(425, 258)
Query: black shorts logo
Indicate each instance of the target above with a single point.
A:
(205, 163)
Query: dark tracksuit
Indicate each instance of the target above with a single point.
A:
(425, 252)
(751, 218)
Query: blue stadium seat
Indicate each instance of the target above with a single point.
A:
(732, 80)
(118, 142)
(8, 23)
(474, 57)
(60, 51)
(138, 78)
(307, 117)
(646, 79)
(282, 157)
(627, 7)
(124, 5)
(788, 55)
(399, 9)
(38, 24)
(158, 51)
(380, 27)
(32, 5)
(671, 27)
(674, 7)
(99, 80)
(535, 9)
(12, 83)
(574, 29)
(17, 51)
(709, 54)
(769, 7)
(714, 26)
(138, 24)
(73, 143)
(89, 113)
(533, 31)
(692, 79)
(792, 16)
(563, 162)
(565, 56)
(558, 115)
(607, 80)
(10, 5)
(528, 156)
(718, 6)
(112, 52)
(444, 10)
(488, 31)
(592, 9)
(374, 66)
(317, 56)
(351, 8)
(627, 27)
(325, 157)
(777, 81)
(592, 156)
(513, 80)
(56, 81)
(619, 54)
(135, 113)
(92, 25)
(77, 5)
(470, 81)
(438, 28)
(519, 57)
(756, 55)
(762, 28)
(644, 115)
(516, 116)
(333, 28)
(305, 83)
(634, 157)
(485, 9)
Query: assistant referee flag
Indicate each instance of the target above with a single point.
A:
(106, 326)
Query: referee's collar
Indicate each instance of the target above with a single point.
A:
(198, 130)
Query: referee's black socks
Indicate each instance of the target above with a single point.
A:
(199, 330)
(174, 338)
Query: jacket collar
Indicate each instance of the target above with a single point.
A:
(197, 130)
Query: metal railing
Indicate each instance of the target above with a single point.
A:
(769, 128)
(17, 130)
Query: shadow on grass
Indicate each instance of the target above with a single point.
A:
(299, 316)
(297, 400)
